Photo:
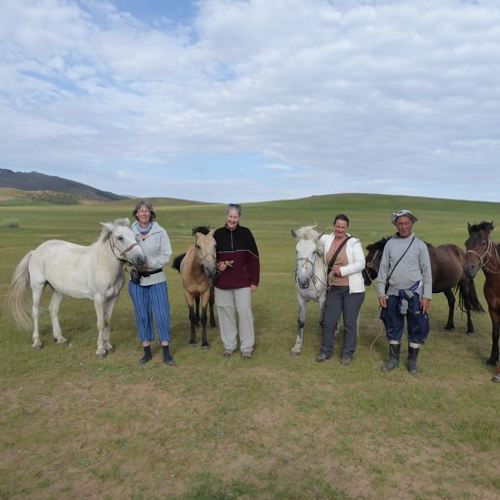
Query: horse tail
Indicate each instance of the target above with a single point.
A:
(176, 264)
(17, 298)
(475, 304)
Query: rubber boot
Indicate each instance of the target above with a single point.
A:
(394, 351)
(148, 355)
(412, 360)
(167, 358)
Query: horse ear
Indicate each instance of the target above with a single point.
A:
(212, 231)
(469, 227)
(108, 225)
(294, 234)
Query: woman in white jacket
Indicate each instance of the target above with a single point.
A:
(345, 259)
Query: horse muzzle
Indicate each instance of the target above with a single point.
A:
(470, 270)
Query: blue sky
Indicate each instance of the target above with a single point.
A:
(254, 100)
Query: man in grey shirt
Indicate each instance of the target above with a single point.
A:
(404, 287)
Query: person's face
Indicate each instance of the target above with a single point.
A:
(340, 228)
(232, 219)
(144, 215)
(404, 225)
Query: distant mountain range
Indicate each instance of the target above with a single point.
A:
(34, 181)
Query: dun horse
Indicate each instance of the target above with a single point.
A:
(197, 268)
(483, 253)
(447, 275)
(310, 276)
(94, 272)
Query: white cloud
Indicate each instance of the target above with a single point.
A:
(349, 93)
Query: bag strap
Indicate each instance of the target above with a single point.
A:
(335, 255)
(400, 259)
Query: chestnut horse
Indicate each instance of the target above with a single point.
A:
(483, 253)
(197, 268)
(447, 275)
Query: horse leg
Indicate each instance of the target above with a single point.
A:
(211, 301)
(205, 299)
(99, 309)
(466, 291)
(450, 326)
(106, 332)
(296, 350)
(492, 362)
(197, 313)
(35, 312)
(55, 303)
(192, 321)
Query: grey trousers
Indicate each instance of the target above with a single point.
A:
(230, 302)
(340, 301)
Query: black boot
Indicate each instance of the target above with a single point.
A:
(394, 350)
(148, 355)
(412, 360)
(167, 358)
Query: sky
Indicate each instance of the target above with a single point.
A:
(254, 100)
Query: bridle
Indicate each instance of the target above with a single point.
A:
(314, 278)
(371, 266)
(121, 256)
(486, 257)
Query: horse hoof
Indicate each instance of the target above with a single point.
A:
(100, 356)
(470, 334)
(192, 345)
(205, 348)
(61, 340)
(294, 353)
(37, 347)
(110, 350)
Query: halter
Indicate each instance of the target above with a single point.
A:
(122, 254)
(314, 278)
(371, 265)
(483, 263)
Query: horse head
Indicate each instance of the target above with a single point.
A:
(479, 248)
(307, 251)
(205, 247)
(375, 251)
(123, 242)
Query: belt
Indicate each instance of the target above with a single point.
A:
(148, 273)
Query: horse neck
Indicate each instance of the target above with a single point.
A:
(105, 255)
(492, 264)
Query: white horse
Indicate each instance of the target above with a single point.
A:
(95, 272)
(310, 276)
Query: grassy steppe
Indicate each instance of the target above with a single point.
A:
(274, 427)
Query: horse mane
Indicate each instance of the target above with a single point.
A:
(105, 232)
(482, 226)
(378, 245)
(307, 232)
(176, 264)
(201, 229)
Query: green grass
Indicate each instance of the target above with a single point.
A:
(274, 427)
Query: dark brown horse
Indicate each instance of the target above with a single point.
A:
(483, 253)
(447, 275)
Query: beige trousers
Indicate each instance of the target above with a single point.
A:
(230, 302)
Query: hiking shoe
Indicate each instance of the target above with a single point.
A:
(246, 355)
(321, 357)
(228, 353)
(345, 361)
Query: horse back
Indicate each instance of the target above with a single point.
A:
(447, 266)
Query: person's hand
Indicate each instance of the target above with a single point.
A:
(424, 305)
(336, 272)
(253, 288)
(382, 301)
(224, 264)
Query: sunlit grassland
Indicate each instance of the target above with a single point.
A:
(274, 427)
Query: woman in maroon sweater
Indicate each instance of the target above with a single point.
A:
(239, 272)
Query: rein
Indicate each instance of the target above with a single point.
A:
(314, 278)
